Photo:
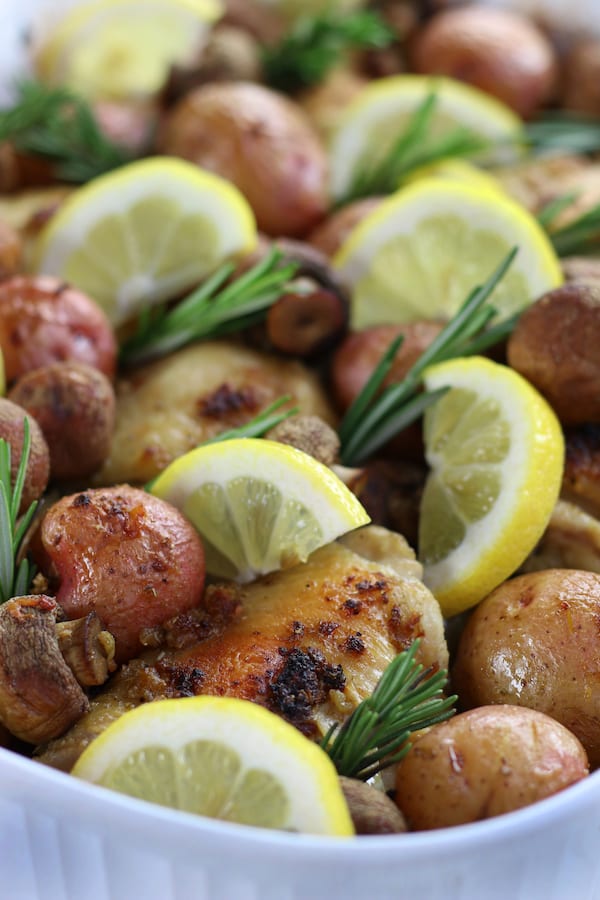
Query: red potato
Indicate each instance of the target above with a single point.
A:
(498, 51)
(11, 250)
(534, 642)
(259, 140)
(484, 763)
(74, 405)
(43, 320)
(12, 417)
(124, 554)
(329, 236)
(358, 356)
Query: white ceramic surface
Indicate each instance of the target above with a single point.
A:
(61, 839)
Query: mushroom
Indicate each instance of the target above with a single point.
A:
(40, 688)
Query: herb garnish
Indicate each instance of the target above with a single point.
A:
(315, 44)
(407, 698)
(56, 124)
(15, 578)
(563, 132)
(413, 148)
(211, 310)
(579, 236)
(376, 417)
(261, 423)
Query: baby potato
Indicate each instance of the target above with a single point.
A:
(534, 642)
(129, 557)
(43, 320)
(358, 355)
(12, 417)
(11, 250)
(74, 405)
(555, 346)
(329, 236)
(497, 51)
(483, 763)
(259, 140)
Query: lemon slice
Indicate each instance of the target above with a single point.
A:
(496, 451)
(460, 170)
(258, 505)
(122, 49)
(370, 124)
(422, 250)
(144, 233)
(220, 757)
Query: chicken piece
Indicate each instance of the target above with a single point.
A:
(168, 407)
(309, 643)
(571, 541)
(537, 182)
(581, 479)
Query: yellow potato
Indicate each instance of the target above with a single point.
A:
(486, 762)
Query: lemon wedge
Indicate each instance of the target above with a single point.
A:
(258, 505)
(122, 49)
(460, 170)
(496, 452)
(422, 251)
(371, 123)
(144, 233)
(220, 757)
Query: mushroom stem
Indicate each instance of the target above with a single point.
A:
(87, 648)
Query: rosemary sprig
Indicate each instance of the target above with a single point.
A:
(578, 237)
(15, 578)
(376, 735)
(56, 124)
(315, 44)
(376, 417)
(412, 148)
(562, 132)
(212, 309)
(261, 423)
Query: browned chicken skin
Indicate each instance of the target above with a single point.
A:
(308, 643)
(168, 407)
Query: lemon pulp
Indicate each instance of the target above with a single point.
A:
(220, 757)
(258, 505)
(496, 451)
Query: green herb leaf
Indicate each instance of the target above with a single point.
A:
(563, 132)
(579, 237)
(215, 308)
(15, 579)
(315, 44)
(56, 124)
(376, 735)
(374, 417)
(413, 148)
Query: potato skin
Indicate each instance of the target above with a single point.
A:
(483, 763)
(555, 346)
(534, 642)
(360, 352)
(74, 405)
(37, 474)
(259, 140)
(329, 236)
(43, 320)
(497, 51)
(124, 554)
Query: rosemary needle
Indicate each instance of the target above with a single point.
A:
(15, 577)
(56, 124)
(407, 698)
(315, 44)
(375, 417)
(214, 309)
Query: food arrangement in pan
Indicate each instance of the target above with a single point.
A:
(300, 435)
